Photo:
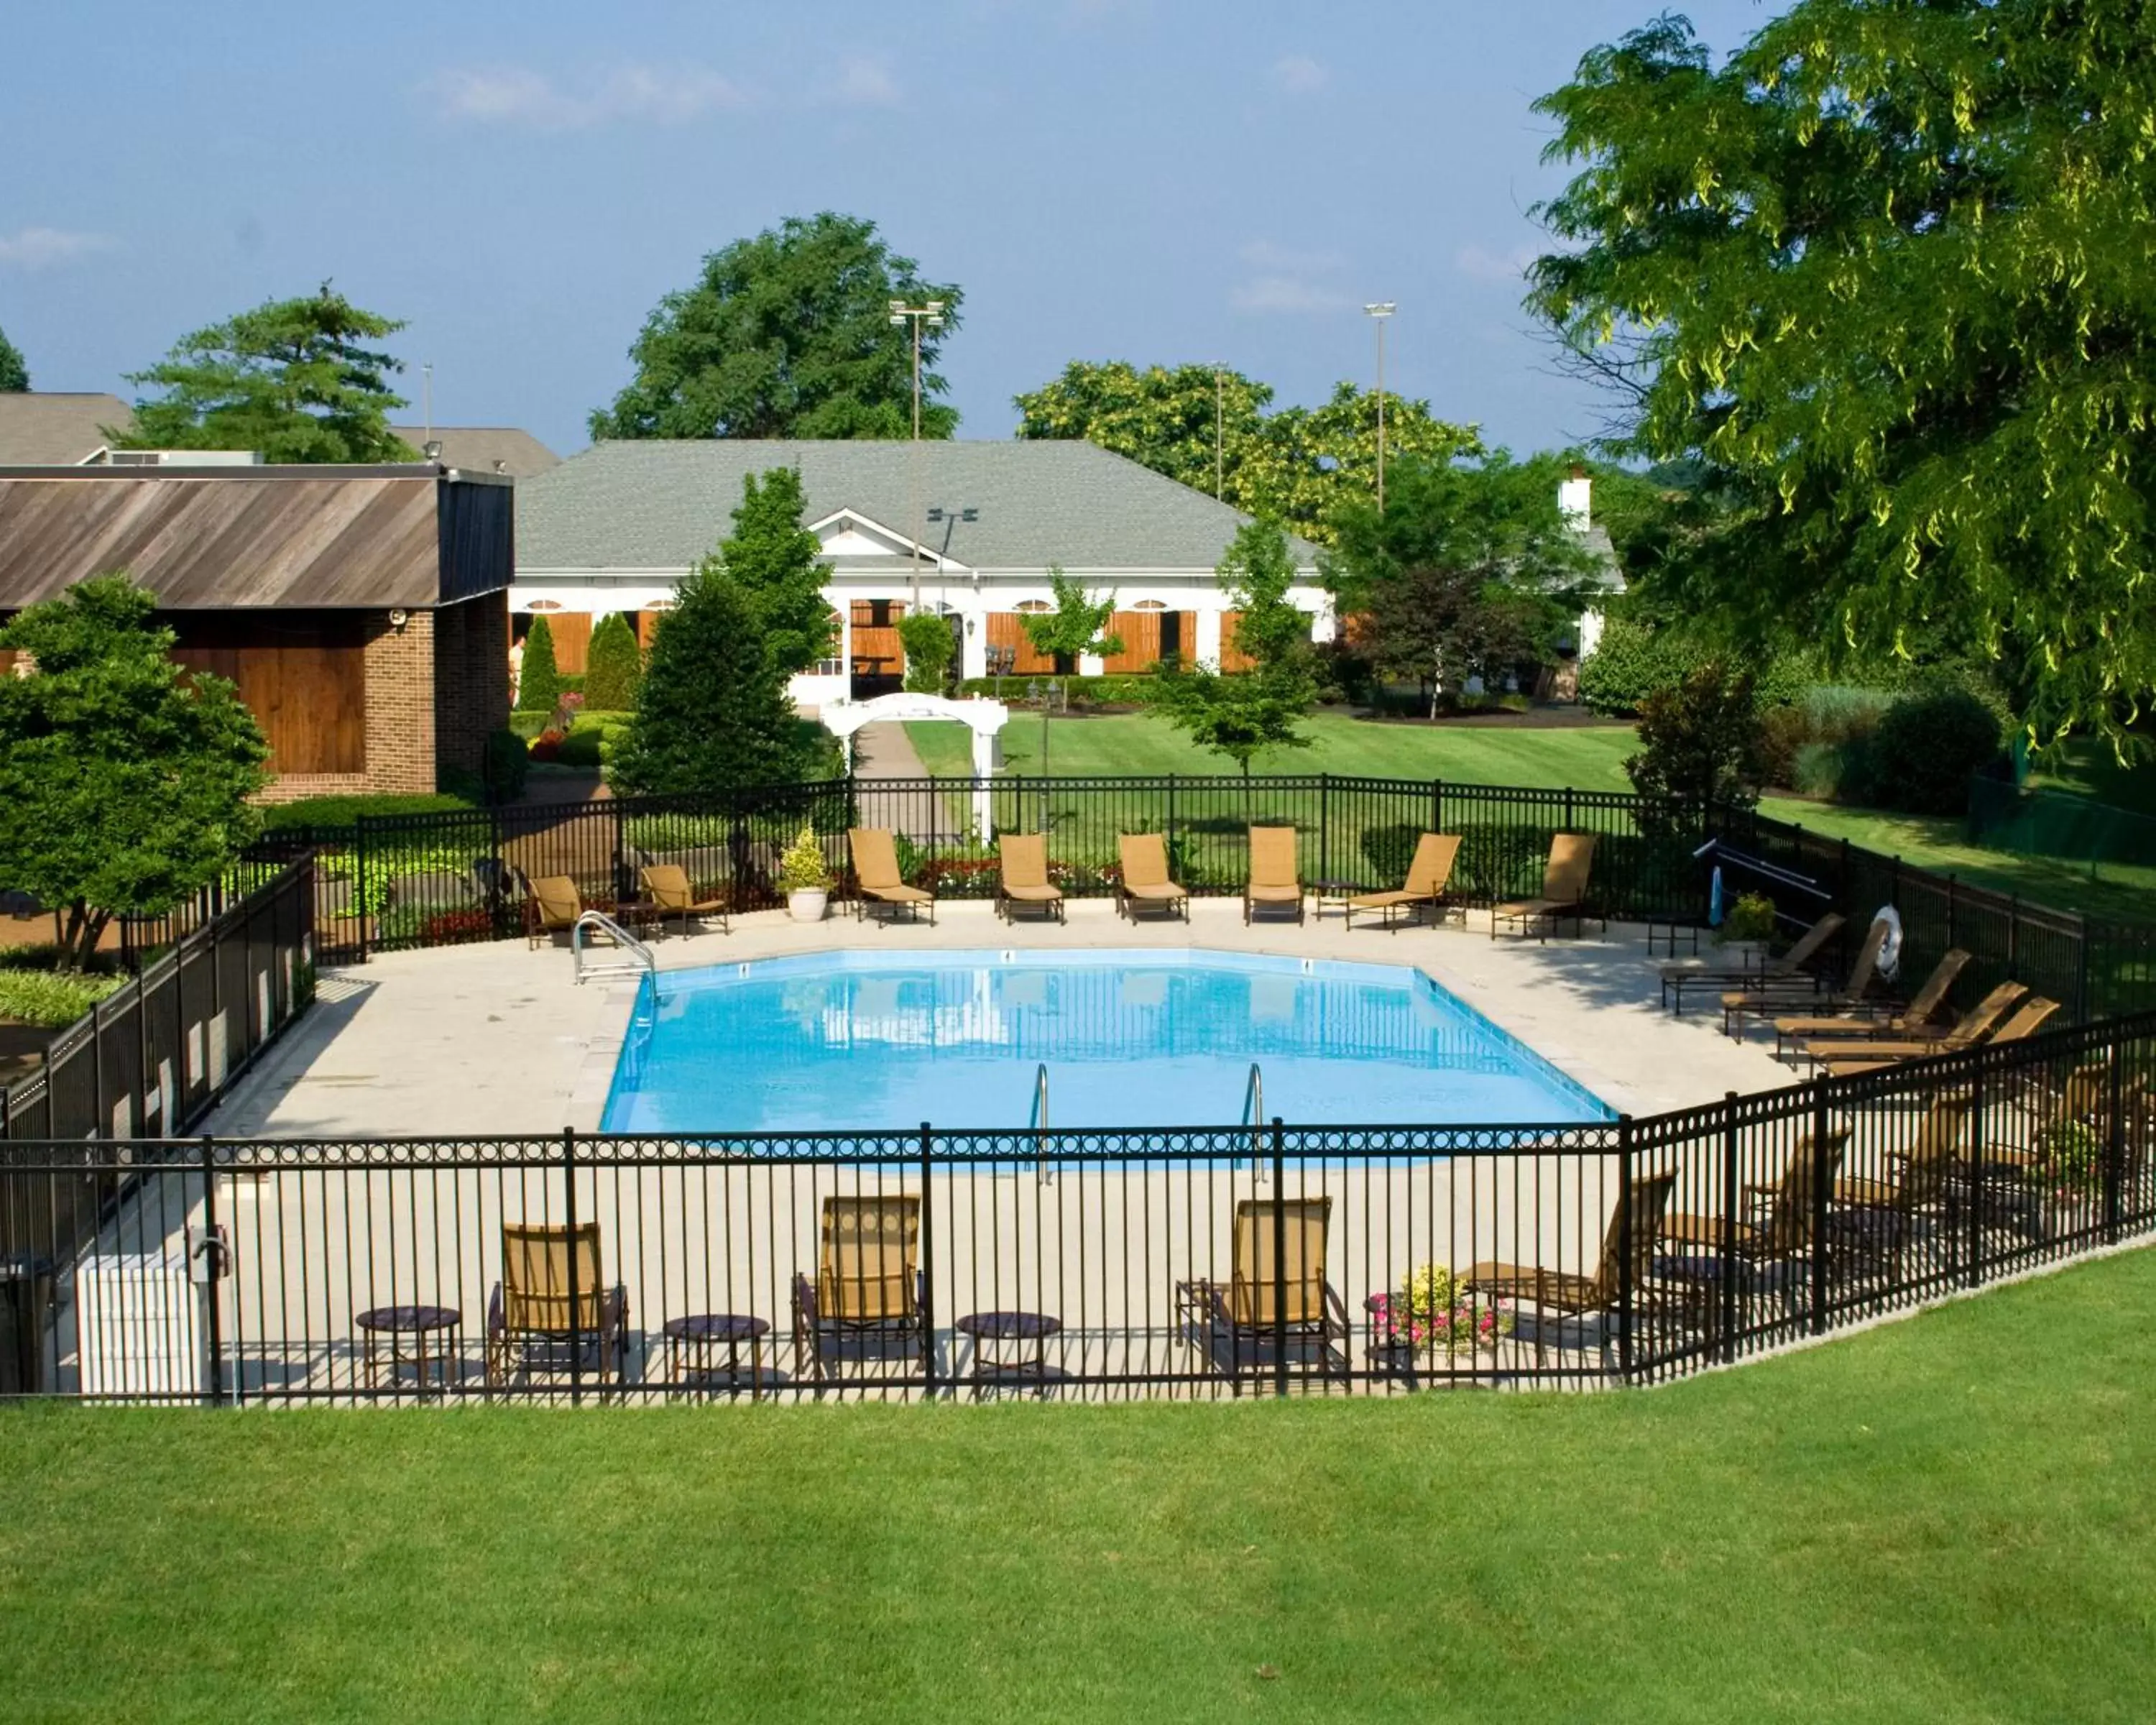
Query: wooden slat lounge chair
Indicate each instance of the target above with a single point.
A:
(1145, 881)
(1874, 1216)
(875, 869)
(2084, 1100)
(1972, 1026)
(1427, 886)
(671, 895)
(1773, 1002)
(532, 1324)
(1573, 1296)
(1778, 1230)
(1274, 878)
(1022, 876)
(1792, 967)
(1913, 1021)
(1844, 1058)
(1250, 1313)
(551, 905)
(1564, 890)
(870, 1299)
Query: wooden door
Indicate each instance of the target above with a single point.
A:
(878, 661)
(1006, 628)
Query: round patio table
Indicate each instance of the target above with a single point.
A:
(390, 1325)
(1009, 1348)
(692, 1345)
(1333, 894)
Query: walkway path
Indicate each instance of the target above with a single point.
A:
(885, 750)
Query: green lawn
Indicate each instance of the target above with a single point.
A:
(1946, 1518)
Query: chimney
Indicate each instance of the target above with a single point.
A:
(1575, 499)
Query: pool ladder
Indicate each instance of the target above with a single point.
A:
(1254, 1119)
(1041, 1121)
(635, 957)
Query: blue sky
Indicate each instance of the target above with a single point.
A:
(1156, 180)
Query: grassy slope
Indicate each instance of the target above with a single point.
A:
(1946, 1518)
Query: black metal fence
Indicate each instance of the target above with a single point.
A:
(917, 1263)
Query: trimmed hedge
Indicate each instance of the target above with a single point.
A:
(343, 811)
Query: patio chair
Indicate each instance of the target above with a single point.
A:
(1255, 1306)
(1145, 879)
(551, 905)
(1427, 886)
(533, 1324)
(1022, 876)
(870, 1299)
(1846, 1057)
(1791, 967)
(1758, 1003)
(1274, 878)
(1776, 1230)
(1876, 1217)
(1572, 1296)
(1564, 889)
(666, 885)
(1913, 1021)
(875, 868)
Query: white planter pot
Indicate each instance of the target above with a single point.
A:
(807, 904)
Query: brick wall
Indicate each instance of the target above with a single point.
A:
(400, 716)
(471, 678)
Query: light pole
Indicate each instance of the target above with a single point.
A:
(950, 518)
(1219, 442)
(1378, 311)
(929, 312)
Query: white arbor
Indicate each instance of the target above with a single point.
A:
(984, 717)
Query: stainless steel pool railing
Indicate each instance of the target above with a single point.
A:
(1041, 1121)
(1254, 1117)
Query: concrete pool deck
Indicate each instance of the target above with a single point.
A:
(497, 1038)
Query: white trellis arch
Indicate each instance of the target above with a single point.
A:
(984, 717)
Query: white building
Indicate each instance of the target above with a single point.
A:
(968, 530)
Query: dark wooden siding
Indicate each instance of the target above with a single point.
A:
(478, 530)
(303, 676)
(1006, 628)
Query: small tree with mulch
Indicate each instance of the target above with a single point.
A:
(539, 683)
(614, 668)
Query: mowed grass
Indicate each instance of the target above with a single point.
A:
(1951, 1517)
(1586, 758)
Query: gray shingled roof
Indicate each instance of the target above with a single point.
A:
(476, 447)
(41, 427)
(663, 504)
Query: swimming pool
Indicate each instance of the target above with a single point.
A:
(856, 1041)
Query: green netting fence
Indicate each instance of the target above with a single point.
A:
(2002, 816)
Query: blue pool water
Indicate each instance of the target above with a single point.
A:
(864, 1041)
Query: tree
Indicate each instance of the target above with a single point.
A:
(538, 682)
(1236, 715)
(125, 778)
(789, 334)
(613, 665)
(712, 712)
(1885, 272)
(778, 565)
(929, 651)
(1472, 569)
(292, 379)
(1076, 627)
(1700, 743)
(1256, 572)
(14, 374)
(1297, 466)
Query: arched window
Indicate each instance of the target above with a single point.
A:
(1032, 607)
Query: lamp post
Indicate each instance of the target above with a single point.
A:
(1220, 437)
(949, 518)
(1378, 311)
(929, 312)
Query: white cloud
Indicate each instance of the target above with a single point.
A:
(1288, 278)
(42, 247)
(1483, 265)
(517, 96)
(1299, 75)
(865, 83)
(1264, 254)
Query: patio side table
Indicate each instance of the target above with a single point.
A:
(386, 1327)
(1333, 894)
(1010, 1348)
(692, 1345)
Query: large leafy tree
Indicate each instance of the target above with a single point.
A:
(789, 334)
(779, 564)
(296, 379)
(125, 778)
(1297, 466)
(1890, 271)
(14, 374)
(1472, 567)
(1257, 572)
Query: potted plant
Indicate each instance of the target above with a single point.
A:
(805, 878)
(1431, 1311)
(1748, 930)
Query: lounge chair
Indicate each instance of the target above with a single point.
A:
(1274, 878)
(1971, 1027)
(1875, 1217)
(1776, 1231)
(875, 868)
(667, 886)
(1564, 889)
(1791, 967)
(1845, 1058)
(1022, 876)
(1771, 1002)
(1145, 880)
(552, 1312)
(870, 1299)
(1429, 877)
(1573, 1295)
(1913, 1021)
(1255, 1306)
(551, 905)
